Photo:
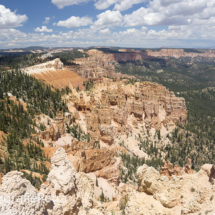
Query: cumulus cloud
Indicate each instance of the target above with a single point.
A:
(47, 20)
(9, 19)
(108, 19)
(75, 22)
(187, 23)
(169, 12)
(62, 3)
(105, 31)
(119, 4)
(10, 34)
(43, 29)
(126, 4)
(104, 4)
(140, 37)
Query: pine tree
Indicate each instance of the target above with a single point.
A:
(97, 184)
(102, 197)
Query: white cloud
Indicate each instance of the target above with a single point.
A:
(104, 4)
(126, 4)
(75, 22)
(175, 35)
(187, 23)
(105, 31)
(10, 34)
(43, 29)
(47, 20)
(108, 19)
(62, 3)
(170, 12)
(119, 4)
(10, 19)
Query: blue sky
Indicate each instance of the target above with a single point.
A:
(125, 23)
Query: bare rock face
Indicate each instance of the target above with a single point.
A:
(149, 180)
(100, 161)
(111, 172)
(56, 128)
(100, 64)
(168, 170)
(64, 180)
(75, 188)
(179, 53)
(79, 145)
(17, 193)
(150, 103)
(186, 194)
(188, 166)
(92, 121)
(51, 65)
(58, 64)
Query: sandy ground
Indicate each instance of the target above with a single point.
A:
(60, 78)
(108, 189)
(64, 140)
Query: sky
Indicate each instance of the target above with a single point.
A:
(121, 23)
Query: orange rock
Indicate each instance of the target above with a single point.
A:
(188, 166)
(168, 170)
(101, 161)
(177, 53)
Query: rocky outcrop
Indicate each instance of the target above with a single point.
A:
(50, 65)
(111, 111)
(66, 192)
(18, 196)
(54, 73)
(188, 166)
(100, 64)
(111, 172)
(80, 146)
(56, 128)
(75, 188)
(148, 103)
(101, 161)
(180, 53)
(168, 170)
(189, 193)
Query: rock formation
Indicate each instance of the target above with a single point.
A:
(66, 192)
(54, 73)
(100, 161)
(75, 188)
(186, 194)
(111, 111)
(100, 64)
(19, 197)
(168, 170)
(50, 65)
(146, 102)
(188, 167)
(179, 53)
(57, 127)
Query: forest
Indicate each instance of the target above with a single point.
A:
(22, 150)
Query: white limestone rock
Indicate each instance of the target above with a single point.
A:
(20, 192)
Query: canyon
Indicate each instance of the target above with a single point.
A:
(87, 142)
(100, 63)
(109, 114)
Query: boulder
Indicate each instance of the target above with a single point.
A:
(19, 196)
